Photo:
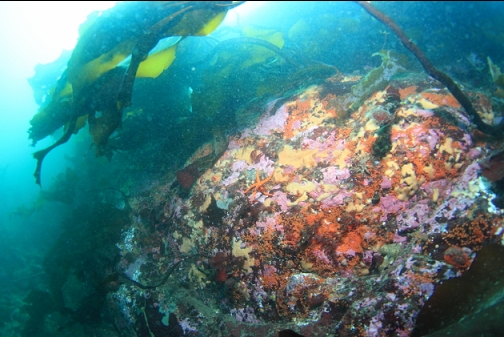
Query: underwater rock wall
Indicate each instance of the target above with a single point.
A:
(315, 220)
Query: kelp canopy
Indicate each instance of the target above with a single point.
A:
(114, 49)
(228, 74)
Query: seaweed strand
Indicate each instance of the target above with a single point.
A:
(496, 131)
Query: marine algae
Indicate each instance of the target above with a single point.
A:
(98, 82)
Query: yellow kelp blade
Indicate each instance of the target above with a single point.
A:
(54, 113)
(81, 122)
(157, 62)
(273, 36)
(260, 55)
(212, 24)
(99, 66)
(66, 92)
(198, 19)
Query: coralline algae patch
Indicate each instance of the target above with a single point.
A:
(300, 220)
